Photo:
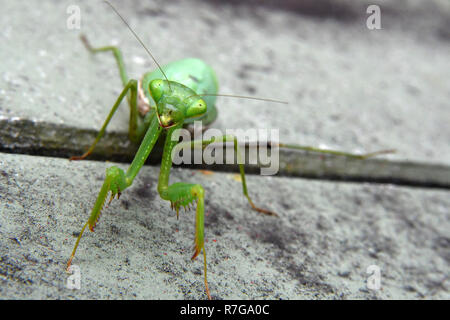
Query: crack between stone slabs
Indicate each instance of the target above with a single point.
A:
(38, 138)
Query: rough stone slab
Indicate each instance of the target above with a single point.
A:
(326, 236)
(348, 87)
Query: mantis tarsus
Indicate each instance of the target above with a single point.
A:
(164, 100)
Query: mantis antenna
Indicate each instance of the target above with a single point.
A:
(240, 97)
(140, 41)
(159, 66)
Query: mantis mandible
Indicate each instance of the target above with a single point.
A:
(163, 101)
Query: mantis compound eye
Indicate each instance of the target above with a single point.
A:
(196, 109)
(156, 88)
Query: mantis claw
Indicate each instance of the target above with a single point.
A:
(111, 199)
(115, 182)
(261, 210)
(184, 194)
(82, 157)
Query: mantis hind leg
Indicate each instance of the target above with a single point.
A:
(135, 131)
(117, 55)
(335, 152)
(136, 126)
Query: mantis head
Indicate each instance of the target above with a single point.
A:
(175, 102)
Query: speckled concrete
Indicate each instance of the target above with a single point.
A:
(325, 238)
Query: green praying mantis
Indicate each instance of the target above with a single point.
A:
(160, 103)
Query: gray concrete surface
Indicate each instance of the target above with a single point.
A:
(348, 87)
(326, 236)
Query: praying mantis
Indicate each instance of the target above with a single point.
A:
(161, 102)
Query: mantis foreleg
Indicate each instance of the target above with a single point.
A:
(117, 180)
(183, 194)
